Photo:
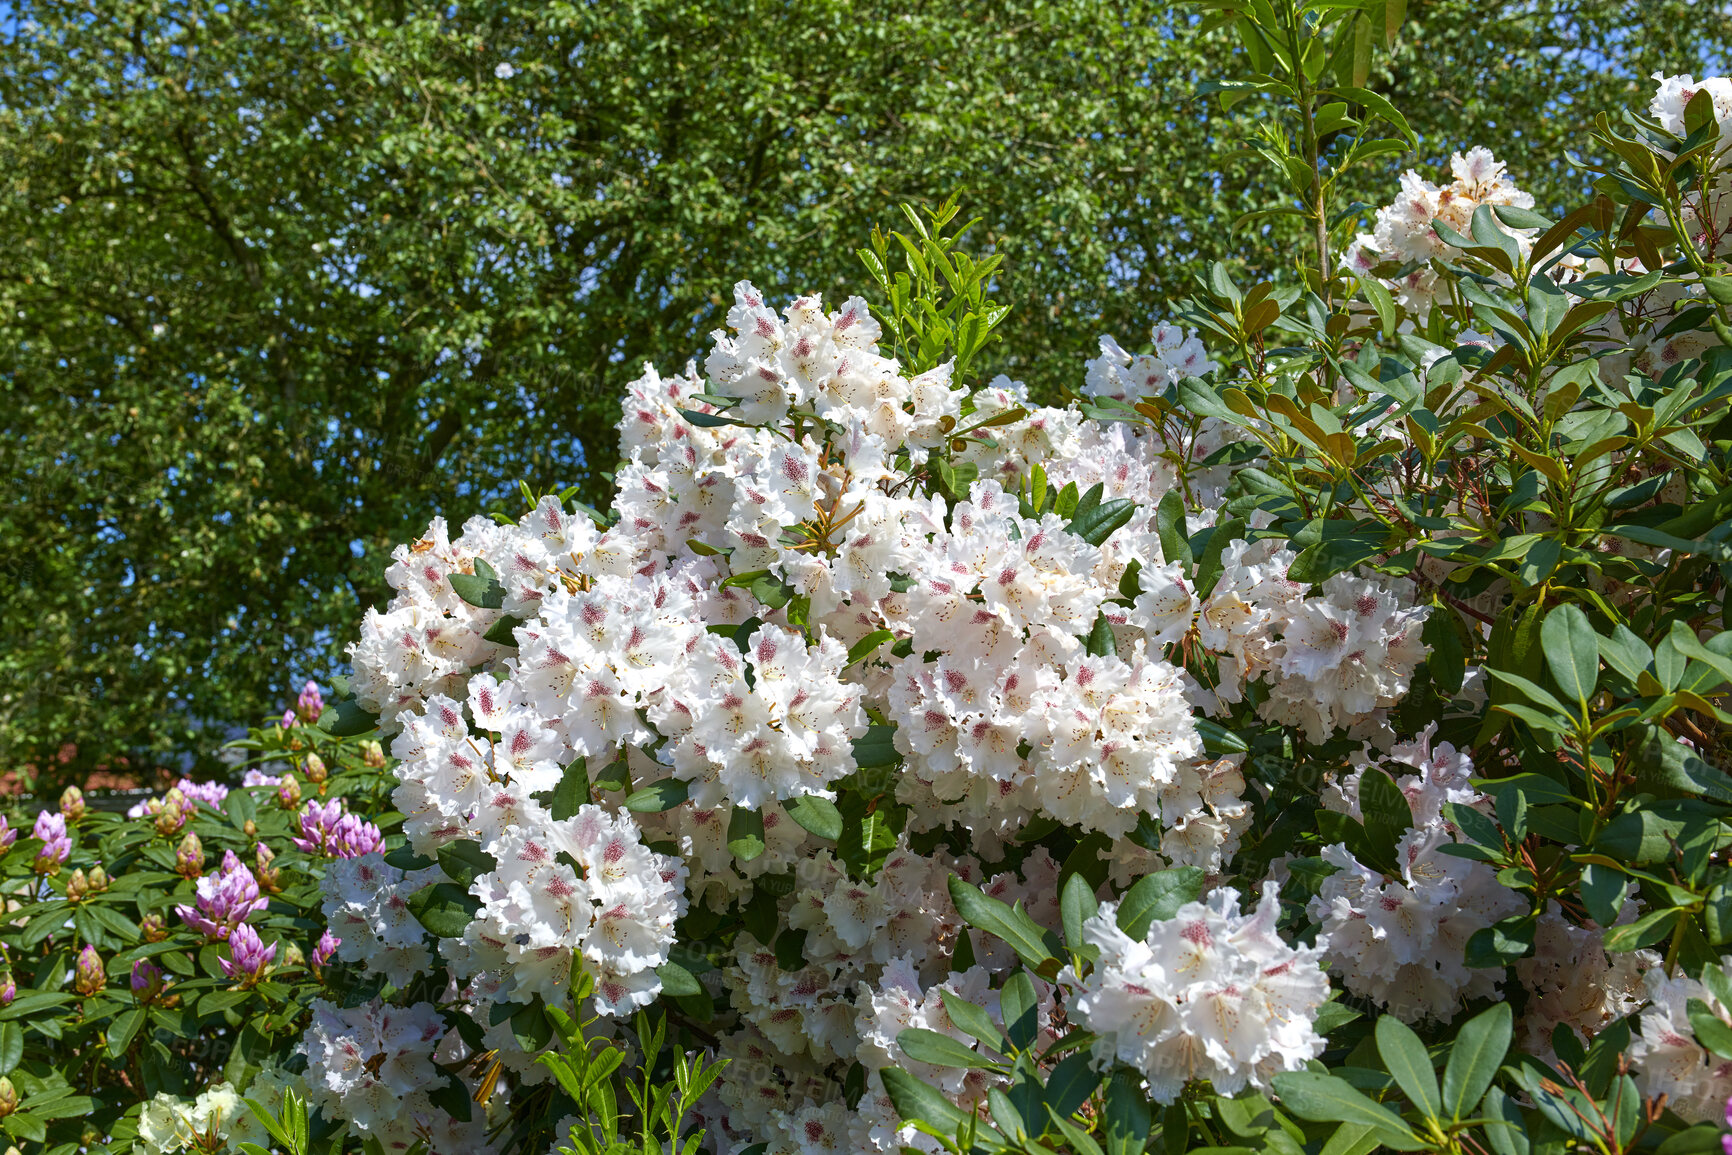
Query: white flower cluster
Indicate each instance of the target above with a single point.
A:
(1403, 231)
(1668, 1059)
(1207, 994)
(1131, 377)
(372, 1066)
(1572, 980)
(1638, 337)
(170, 1124)
(366, 905)
(614, 903)
(1401, 942)
(772, 515)
(875, 958)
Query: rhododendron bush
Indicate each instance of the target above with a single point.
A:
(1307, 735)
(1327, 694)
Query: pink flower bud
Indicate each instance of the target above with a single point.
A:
(88, 976)
(189, 857)
(324, 950)
(311, 703)
(289, 792)
(146, 980)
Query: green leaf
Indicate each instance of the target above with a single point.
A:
(1125, 1115)
(1170, 524)
(677, 981)
(1511, 1137)
(572, 791)
(120, 1032)
(1381, 301)
(712, 420)
(924, 1046)
(346, 718)
(1502, 943)
(1098, 523)
(1711, 1031)
(1387, 813)
(869, 830)
(1375, 103)
(1480, 1046)
(1070, 1083)
(971, 1019)
(1603, 890)
(1158, 897)
(1448, 658)
(1012, 924)
(500, 633)
(1337, 554)
(1572, 652)
(864, 647)
(444, 909)
(1020, 1010)
(1100, 640)
(464, 861)
(876, 747)
(1077, 904)
(745, 833)
(1195, 396)
(659, 796)
(1407, 1061)
(480, 589)
(815, 814)
(1624, 652)
(1327, 1099)
(916, 1102)
(1218, 741)
(11, 1047)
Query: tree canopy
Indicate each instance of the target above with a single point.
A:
(284, 278)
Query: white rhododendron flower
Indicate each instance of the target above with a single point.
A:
(1207, 994)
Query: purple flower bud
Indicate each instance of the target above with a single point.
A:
(225, 900)
(154, 926)
(311, 703)
(189, 856)
(72, 803)
(373, 754)
(248, 956)
(170, 812)
(289, 718)
(56, 843)
(326, 830)
(146, 980)
(8, 989)
(268, 879)
(315, 769)
(88, 976)
(324, 950)
(7, 835)
(289, 792)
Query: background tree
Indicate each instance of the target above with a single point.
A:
(283, 278)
